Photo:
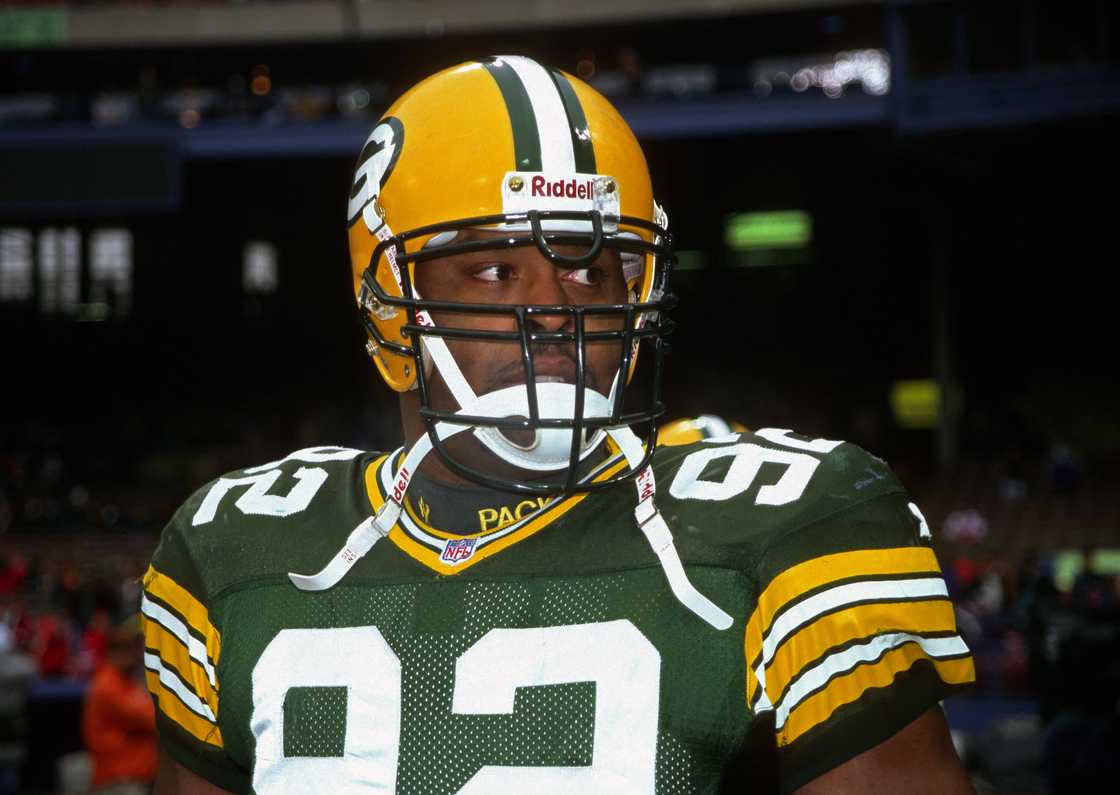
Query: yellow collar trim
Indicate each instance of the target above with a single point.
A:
(479, 550)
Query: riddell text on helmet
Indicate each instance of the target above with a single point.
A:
(563, 188)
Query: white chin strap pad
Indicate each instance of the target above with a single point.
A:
(551, 448)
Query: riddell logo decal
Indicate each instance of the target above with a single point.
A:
(458, 549)
(645, 484)
(402, 483)
(523, 191)
(563, 188)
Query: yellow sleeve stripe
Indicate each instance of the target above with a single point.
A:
(171, 651)
(845, 688)
(193, 611)
(813, 641)
(174, 709)
(156, 613)
(812, 574)
(794, 583)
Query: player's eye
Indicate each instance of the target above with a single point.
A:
(493, 272)
(587, 277)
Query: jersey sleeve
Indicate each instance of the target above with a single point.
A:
(182, 651)
(853, 635)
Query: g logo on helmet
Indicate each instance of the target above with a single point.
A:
(375, 164)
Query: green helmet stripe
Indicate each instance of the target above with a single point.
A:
(582, 146)
(526, 139)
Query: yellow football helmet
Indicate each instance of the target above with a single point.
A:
(507, 144)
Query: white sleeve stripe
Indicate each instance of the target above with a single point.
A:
(841, 596)
(817, 677)
(195, 648)
(168, 679)
(762, 701)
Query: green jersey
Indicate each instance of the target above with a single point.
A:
(546, 652)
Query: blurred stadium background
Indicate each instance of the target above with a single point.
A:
(895, 222)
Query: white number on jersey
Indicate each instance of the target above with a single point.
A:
(626, 670)
(747, 460)
(624, 666)
(328, 658)
(257, 501)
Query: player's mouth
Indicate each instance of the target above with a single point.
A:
(547, 369)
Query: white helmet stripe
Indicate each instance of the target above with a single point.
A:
(552, 121)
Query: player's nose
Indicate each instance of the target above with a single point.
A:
(544, 287)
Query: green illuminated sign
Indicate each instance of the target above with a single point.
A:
(1068, 563)
(32, 27)
(770, 230)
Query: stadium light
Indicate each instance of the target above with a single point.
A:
(916, 404)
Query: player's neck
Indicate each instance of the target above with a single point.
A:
(468, 509)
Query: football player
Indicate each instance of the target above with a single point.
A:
(529, 595)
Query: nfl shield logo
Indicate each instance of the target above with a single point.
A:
(458, 549)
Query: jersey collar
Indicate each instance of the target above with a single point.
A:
(449, 553)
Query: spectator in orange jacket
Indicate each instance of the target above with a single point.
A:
(118, 720)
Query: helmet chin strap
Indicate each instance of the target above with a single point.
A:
(660, 537)
(550, 448)
(371, 530)
(649, 518)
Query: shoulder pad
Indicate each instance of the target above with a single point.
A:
(250, 522)
(735, 488)
(259, 497)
